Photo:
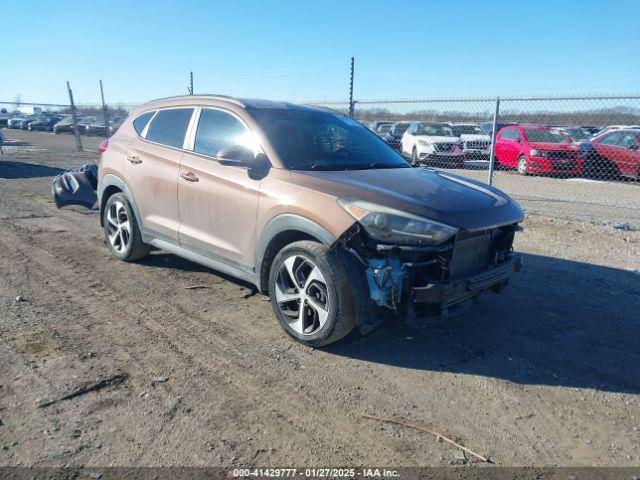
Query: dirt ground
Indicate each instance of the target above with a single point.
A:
(547, 373)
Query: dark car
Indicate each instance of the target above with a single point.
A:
(65, 124)
(488, 126)
(394, 136)
(24, 124)
(98, 128)
(44, 124)
(84, 124)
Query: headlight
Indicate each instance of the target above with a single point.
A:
(394, 226)
(539, 153)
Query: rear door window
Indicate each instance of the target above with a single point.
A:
(169, 127)
(141, 122)
(218, 130)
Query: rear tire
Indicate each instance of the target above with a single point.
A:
(121, 230)
(311, 295)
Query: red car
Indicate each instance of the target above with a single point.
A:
(535, 149)
(617, 152)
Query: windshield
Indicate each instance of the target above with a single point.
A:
(467, 130)
(577, 133)
(400, 128)
(386, 128)
(317, 140)
(550, 136)
(434, 130)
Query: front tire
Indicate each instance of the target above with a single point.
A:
(523, 166)
(121, 230)
(311, 295)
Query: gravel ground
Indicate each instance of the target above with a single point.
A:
(547, 373)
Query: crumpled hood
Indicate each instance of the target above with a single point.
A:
(474, 137)
(447, 198)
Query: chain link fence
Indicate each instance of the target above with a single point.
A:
(574, 156)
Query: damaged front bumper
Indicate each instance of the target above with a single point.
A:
(441, 299)
(425, 284)
(76, 187)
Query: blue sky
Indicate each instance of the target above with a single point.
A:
(300, 50)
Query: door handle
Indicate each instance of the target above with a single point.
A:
(190, 177)
(134, 160)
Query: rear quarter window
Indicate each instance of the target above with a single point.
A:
(169, 127)
(141, 122)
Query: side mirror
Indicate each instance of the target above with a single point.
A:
(236, 155)
(241, 156)
(518, 140)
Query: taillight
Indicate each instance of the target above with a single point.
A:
(104, 144)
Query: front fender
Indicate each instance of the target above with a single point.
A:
(287, 223)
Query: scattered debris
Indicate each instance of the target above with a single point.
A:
(626, 226)
(437, 435)
(459, 456)
(172, 411)
(159, 379)
(144, 392)
(20, 298)
(106, 382)
(196, 287)
(94, 475)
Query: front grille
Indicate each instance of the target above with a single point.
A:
(444, 147)
(561, 155)
(477, 145)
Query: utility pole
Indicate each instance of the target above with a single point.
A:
(351, 104)
(190, 87)
(75, 119)
(492, 154)
(104, 112)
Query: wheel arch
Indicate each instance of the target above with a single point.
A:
(279, 232)
(109, 185)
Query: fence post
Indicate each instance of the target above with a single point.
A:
(351, 105)
(104, 112)
(190, 87)
(76, 132)
(492, 154)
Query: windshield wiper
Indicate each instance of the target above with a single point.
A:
(387, 165)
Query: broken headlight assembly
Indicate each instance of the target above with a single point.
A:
(388, 225)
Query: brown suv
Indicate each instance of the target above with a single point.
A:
(306, 204)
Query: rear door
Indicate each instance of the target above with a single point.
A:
(218, 203)
(151, 170)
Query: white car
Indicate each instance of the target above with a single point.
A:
(476, 144)
(432, 142)
(617, 127)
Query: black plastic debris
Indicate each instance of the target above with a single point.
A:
(76, 187)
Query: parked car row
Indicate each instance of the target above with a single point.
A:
(529, 149)
(87, 125)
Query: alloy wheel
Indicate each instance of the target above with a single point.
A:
(118, 227)
(301, 294)
(522, 166)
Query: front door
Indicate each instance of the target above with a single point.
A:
(218, 203)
